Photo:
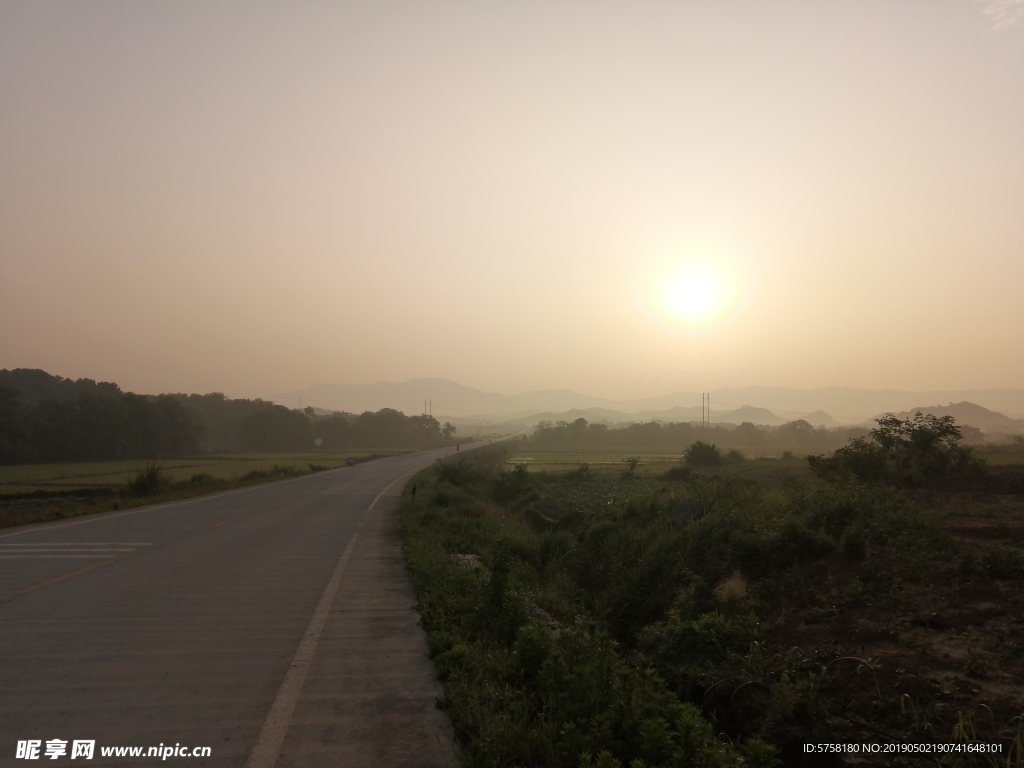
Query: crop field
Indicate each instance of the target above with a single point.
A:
(553, 460)
(653, 463)
(29, 478)
(33, 493)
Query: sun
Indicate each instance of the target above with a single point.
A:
(692, 294)
(691, 288)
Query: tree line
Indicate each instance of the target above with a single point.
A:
(797, 436)
(46, 418)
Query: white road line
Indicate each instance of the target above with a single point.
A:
(268, 743)
(374, 502)
(66, 550)
(82, 544)
(55, 557)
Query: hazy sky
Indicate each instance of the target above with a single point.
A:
(622, 198)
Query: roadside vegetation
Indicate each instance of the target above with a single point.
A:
(32, 493)
(72, 447)
(754, 440)
(716, 611)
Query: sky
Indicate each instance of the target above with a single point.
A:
(625, 199)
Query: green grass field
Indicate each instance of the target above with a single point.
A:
(27, 478)
(35, 493)
(656, 463)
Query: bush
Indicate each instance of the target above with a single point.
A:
(854, 543)
(702, 454)
(911, 452)
(582, 473)
(149, 481)
(631, 464)
(706, 640)
(678, 473)
(457, 473)
(274, 473)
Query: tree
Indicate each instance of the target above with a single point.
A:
(10, 423)
(631, 463)
(448, 430)
(747, 433)
(702, 454)
(276, 429)
(911, 451)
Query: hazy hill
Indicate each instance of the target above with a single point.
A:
(820, 419)
(449, 399)
(972, 415)
(849, 405)
(759, 416)
(749, 413)
(772, 405)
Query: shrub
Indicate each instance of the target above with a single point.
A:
(734, 457)
(854, 543)
(910, 452)
(149, 480)
(631, 464)
(457, 473)
(678, 473)
(706, 640)
(274, 473)
(583, 472)
(702, 454)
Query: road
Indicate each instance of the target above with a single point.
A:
(274, 625)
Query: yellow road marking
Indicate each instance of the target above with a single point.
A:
(225, 522)
(75, 574)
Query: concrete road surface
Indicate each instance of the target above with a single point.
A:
(267, 626)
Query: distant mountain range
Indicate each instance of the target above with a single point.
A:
(774, 405)
(972, 414)
(759, 416)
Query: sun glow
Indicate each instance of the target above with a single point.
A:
(692, 289)
(692, 295)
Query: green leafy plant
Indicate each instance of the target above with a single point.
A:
(702, 454)
(148, 481)
(913, 451)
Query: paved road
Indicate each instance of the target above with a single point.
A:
(274, 625)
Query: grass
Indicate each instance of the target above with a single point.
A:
(26, 478)
(31, 493)
(655, 464)
(573, 623)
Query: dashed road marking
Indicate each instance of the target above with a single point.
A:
(109, 552)
(67, 550)
(74, 574)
